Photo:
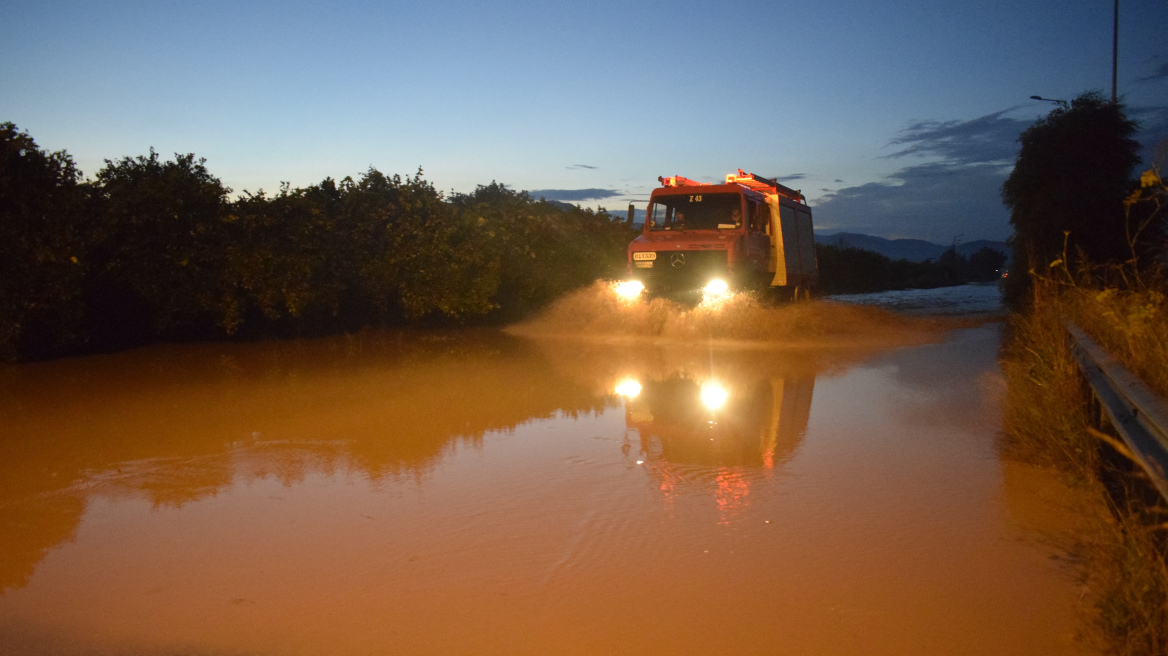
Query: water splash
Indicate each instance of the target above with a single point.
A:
(600, 312)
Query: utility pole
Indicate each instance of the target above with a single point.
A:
(1114, 50)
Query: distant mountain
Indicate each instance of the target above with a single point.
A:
(913, 250)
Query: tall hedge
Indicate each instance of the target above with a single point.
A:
(154, 249)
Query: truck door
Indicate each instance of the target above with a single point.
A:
(756, 243)
(808, 269)
(790, 247)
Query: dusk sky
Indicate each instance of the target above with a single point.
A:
(897, 119)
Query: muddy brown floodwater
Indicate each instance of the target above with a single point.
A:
(485, 493)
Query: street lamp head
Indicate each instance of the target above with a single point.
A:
(1061, 103)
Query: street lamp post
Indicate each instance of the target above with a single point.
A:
(1114, 59)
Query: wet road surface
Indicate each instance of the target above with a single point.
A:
(475, 492)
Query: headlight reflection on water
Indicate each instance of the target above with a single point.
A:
(628, 388)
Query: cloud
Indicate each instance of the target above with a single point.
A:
(582, 166)
(1153, 130)
(1160, 73)
(989, 138)
(934, 201)
(957, 193)
(792, 177)
(573, 194)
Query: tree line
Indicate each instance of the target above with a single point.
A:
(849, 270)
(154, 249)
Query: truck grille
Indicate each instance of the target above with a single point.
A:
(682, 270)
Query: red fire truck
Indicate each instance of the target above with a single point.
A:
(748, 233)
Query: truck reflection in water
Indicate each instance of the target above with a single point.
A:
(729, 434)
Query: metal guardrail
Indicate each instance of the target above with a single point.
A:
(1137, 413)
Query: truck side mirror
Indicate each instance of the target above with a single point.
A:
(629, 222)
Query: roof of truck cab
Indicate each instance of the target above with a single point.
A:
(722, 189)
(685, 190)
(704, 189)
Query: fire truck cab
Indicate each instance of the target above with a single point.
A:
(748, 233)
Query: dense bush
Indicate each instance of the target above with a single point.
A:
(152, 249)
(339, 256)
(41, 245)
(1067, 188)
(538, 250)
(154, 243)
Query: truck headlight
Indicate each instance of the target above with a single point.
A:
(716, 286)
(714, 395)
(629, 289)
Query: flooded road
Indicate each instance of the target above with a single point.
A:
(479, 492)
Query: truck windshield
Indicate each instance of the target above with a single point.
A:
(696, 212)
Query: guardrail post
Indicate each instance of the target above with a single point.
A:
(1138, 414)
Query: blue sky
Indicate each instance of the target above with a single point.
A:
(897, 119)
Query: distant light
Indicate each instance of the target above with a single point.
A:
(628, 388)
(629, 289)
(714, 395)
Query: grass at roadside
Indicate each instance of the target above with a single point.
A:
(1048, 421)
(1130, 325)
